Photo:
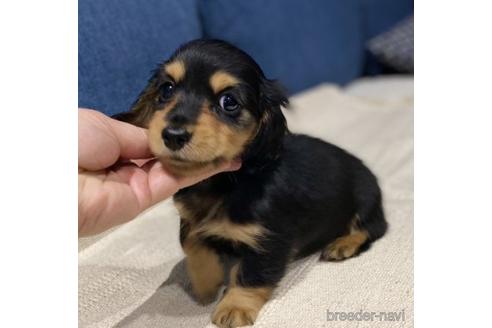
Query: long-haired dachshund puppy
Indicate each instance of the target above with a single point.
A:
(293, 196)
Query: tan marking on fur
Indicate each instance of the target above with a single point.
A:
(204, 269)
(156, 125)
(179, 168)
(193, 207)
(176, 70)
(248, 234)
(265, 118)
(345, 246)
(215, 139)
(207, 219)
(221, 80)
(184, 212)
(212, 142)
(233, 275)
(142, 111)
(183, 169)
(240, 306)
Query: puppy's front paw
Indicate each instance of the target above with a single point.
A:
(233, 316)
(240, 306)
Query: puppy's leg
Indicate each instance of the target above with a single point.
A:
(347, 245)
(240, 306)
(204, 269)
(251, 285)
(369, 223)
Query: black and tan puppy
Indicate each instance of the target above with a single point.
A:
(294, 195)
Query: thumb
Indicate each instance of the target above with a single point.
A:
(187, 181)
(162, 184)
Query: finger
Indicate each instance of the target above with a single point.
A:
(163, 184)
(187, 181)
(110, 198)
(133, 141)
(102, 141)
(142, 162)
(98, 147)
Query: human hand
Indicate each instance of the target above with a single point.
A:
(113, 189)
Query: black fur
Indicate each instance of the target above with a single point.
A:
(306, 198)
(304, 191)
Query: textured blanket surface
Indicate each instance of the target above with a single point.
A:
(134, 276)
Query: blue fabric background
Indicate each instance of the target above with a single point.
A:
(381, 15)
(301, 43)
(378, 17)
(122, 41)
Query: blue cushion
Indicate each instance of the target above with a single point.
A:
(378, 17)
(381, 15)
(395, 47)
(301, 43)
(122, 41)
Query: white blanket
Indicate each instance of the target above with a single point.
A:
(133, 276)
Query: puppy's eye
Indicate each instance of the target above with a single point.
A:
(228, 103)
(166, 91)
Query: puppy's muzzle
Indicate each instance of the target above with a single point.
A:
(175, 138)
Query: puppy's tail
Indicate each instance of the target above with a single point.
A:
(369, 206)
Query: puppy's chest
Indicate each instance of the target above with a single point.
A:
(206, 217)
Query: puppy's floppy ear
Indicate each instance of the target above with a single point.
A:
(143, 108)
(272, 125)
(273, 94)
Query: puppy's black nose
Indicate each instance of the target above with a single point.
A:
(175, 138)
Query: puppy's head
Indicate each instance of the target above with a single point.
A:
(208, 103)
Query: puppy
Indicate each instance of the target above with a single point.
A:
(293, 196)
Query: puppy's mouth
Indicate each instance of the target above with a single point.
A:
(196, 150)
(178, 160)
(180, 165)
(190, 154)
